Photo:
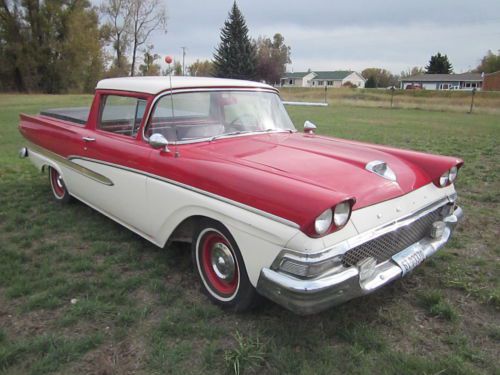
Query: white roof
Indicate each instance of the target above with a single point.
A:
(156, 84)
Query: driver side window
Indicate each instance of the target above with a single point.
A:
(185, 116)
(121, 114)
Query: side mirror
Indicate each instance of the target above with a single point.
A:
(309, 127)
(157, 140)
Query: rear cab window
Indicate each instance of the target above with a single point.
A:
(192, 117)
(121, 114)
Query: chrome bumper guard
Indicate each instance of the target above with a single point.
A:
(309, 296)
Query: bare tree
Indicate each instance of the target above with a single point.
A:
(117, 29)
(146, 17)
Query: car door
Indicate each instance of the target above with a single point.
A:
(114, 158)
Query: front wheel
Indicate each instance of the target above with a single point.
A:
(58, 186)
(220, 267)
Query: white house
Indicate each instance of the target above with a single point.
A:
(463, 81)
(336, 78)
(299, 79)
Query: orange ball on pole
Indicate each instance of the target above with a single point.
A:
(168, 60)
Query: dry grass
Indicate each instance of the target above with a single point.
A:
(455, 101)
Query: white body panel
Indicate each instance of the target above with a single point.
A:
(125, 199)
(153, 208)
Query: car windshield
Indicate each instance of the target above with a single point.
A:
(214, 114)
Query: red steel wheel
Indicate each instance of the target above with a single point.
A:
(218, 263)
(58, 187)
(221, 268)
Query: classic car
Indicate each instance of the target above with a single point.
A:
(305, 220)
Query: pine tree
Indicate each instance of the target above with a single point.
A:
(371, 83)
(439, 64)
(235, 56)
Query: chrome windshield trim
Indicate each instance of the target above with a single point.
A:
(343, 246)
(190, 90)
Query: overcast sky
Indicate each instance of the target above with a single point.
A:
(353, 34)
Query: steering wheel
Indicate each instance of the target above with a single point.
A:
(239, 124)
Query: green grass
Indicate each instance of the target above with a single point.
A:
(248, 355)
(434, 303)
(139, 309)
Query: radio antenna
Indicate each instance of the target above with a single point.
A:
(169, 60)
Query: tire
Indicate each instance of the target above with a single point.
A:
(220, 267)
(58, 186)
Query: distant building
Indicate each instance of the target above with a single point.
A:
(462, 81)
(299, 79)
(491, 82)
(333, 79)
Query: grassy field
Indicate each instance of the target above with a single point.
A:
(80, 294)
(450, 101)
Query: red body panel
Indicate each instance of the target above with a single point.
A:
(294, 176)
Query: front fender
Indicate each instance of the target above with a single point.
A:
(259, 238)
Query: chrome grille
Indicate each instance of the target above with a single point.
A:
(384, 247)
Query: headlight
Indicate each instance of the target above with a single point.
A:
(443, 180)
(448, 177)
(323, 222)
(341, 214)
(453, 174)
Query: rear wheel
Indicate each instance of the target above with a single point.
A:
(58, 187)
(220, 267)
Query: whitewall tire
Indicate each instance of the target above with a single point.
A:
(58, 186)
(220, 267)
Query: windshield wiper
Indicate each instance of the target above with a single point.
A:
(229, 134)
(274, 130)
(238, 132)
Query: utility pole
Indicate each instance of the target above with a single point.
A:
(183, 59)
(472, 100)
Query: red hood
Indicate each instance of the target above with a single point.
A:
(297, 176)
(325, 162)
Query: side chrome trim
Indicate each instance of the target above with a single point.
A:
(73, 166)
(193, 189)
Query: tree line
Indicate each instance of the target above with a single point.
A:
(58, 46)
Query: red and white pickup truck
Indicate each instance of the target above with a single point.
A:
(305, 220)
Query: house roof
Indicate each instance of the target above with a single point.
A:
(335, 75)
(154, 85)
(295, 75)
(443, 77)
(493, 74)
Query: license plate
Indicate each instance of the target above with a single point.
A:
(408, 259)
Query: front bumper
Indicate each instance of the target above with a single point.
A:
(308, 296)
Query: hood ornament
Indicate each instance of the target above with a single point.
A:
(382, 169)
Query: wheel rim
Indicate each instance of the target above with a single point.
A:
(219, 264)
(57, 183)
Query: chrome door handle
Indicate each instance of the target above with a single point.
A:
(88, 139)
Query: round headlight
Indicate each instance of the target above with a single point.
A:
(444, 179)
(452, 176)
(323, 222)
(341, 214)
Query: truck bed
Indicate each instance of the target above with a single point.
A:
(77, 115)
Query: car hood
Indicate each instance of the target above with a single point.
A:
(333, 164)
